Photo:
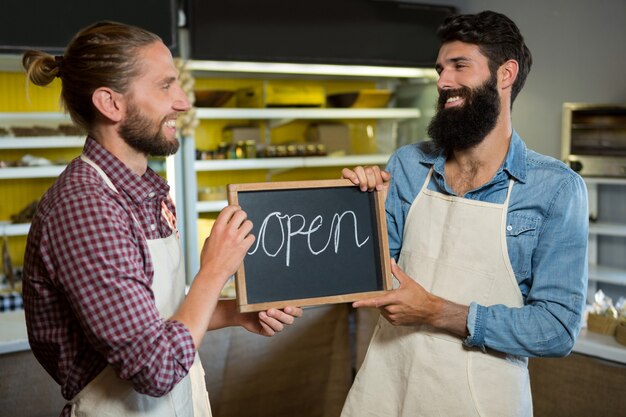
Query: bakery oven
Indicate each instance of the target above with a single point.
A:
(594, 138)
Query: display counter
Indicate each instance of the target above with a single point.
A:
(13, 337)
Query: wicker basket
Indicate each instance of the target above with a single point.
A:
(601, 324)
(620, 333)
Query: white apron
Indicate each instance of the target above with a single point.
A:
(107, 395)
(456, 249)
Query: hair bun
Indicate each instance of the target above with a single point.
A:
(58, 60)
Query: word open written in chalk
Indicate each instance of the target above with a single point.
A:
(295, 224)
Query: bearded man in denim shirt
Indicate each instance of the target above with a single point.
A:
(491, 242)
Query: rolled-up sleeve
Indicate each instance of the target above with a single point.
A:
(550, 320)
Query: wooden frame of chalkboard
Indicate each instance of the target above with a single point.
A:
(317, 242)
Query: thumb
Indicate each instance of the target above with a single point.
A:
(397, 272)
(385, 175)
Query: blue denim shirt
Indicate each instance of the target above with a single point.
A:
(546, 234)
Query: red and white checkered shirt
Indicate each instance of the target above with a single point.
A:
(87, 279)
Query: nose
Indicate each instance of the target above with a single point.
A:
(445, 80)
(181, 101)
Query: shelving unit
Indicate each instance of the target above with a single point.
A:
(31, 172)
(608, 229)
(275, 117)
(290, 162)
(41, 142)
(7, 118)
(10, 143)
(597, 228)
(35, 142)
(279, 163)
(590, 343)
(12, 229)
(304, 114)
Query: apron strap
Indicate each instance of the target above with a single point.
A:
(106, 179)
(508, 194)
(104, 176)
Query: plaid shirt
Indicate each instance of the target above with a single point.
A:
(87, 279)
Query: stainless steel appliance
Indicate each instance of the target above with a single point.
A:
(594, 138)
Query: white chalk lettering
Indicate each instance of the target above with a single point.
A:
(294, 225)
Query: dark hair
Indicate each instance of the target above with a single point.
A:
(101, 55)
(498, 38)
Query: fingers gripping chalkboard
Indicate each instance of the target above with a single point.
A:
(317, 242)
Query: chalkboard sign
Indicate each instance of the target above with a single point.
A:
(317, 242)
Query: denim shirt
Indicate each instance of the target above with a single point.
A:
(546, 235)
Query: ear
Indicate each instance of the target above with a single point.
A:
(508, 73)
(109, 103)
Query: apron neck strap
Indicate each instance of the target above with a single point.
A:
(99, 170)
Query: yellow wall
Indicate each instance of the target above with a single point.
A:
(16, 96)
(16, 194)
(209, 132)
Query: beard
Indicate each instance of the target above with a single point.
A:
(462, 127)
(144, 135)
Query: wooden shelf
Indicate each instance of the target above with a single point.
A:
(41, 142)
(211, 206)
(290, 162)
(605, 180)
(304, 113)
(51, 171)
(607, 274)
(11, 229)
(7, 118)
(607, 229)
(597, 126)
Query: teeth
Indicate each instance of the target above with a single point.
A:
(170, 123)
(451, 99)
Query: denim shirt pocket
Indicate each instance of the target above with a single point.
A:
(521, 238)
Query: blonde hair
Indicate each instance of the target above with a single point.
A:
(101, 55)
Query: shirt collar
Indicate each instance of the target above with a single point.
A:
(137, 187)
(514, 164)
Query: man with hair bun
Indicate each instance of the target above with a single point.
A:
(490, 239)
(104, 276)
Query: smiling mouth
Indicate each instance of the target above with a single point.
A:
(170, 123)
(453, 101)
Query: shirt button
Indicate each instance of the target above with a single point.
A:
(509, 228)
(153, 227)
(152, 194)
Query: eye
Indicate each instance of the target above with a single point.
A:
(166, 83)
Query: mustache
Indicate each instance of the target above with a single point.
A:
(170, 116)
